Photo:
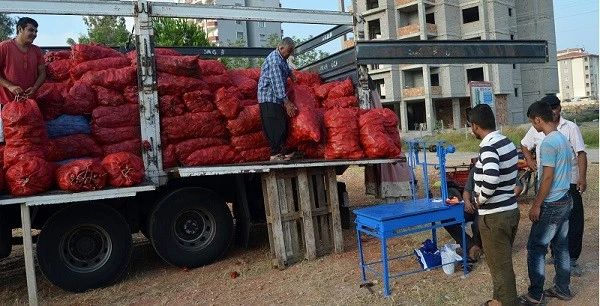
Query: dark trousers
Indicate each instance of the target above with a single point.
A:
(455, 231)
(275, 126)
(575, 223)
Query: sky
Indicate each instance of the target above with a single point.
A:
(576, 24)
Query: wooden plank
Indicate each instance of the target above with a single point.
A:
(272, 200)
(322, 226)
(269, 219)
(291, 216)
(305, 198)
(333, 201)
(28, 253)
(287, 206)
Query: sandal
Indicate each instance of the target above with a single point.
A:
(526, 299)
(552, 292)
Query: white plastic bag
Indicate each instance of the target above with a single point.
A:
(449, 256)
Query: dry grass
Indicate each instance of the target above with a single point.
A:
(331, 280)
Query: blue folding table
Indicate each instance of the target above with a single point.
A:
(404, 218)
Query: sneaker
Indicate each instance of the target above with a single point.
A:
(576, 269)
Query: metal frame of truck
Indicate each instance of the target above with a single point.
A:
(179, 185)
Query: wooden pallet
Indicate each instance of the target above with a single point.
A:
(303, 214)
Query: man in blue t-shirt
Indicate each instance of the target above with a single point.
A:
(550, 210)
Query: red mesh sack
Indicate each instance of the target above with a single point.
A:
(249, 141)
(108, 97)
(49, 98)
(258, 154)
(81, 175)
(166, 51)
(1, 156)
(86, 52)
(52, 56)
(316, 149)
(99, 64)
(169, 84)
(58, 70)
(185, 148)
(246, 85)
(217, 81)
(73, 146)
(344, 88)
(116, 79)
(307, 78)
(108, 135)
(350, 101)
(247, 121)
(193, 125)
(28, 177)
(212, 67)
(133, 146)
(248, 102)
(80, 99)
(323, 90)
(253, 73)
(228, 103)
(123, 169)
(116, 116)
(213, 156)
(170, 106)
(168, 157)
(373, 138)
(304, 126)
(343, 139)
(130, 93)
(178, 65)
(390, 123)
(198, 101)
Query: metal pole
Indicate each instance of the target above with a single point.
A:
(28, 253)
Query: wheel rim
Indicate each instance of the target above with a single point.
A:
(194, 229)
(86, 248)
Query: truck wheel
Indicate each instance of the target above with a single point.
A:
(84, 247)
(5, 235)
(191, 227)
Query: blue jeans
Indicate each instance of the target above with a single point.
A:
(553, 226)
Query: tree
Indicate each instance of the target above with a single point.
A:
(7, 26)
(304, 58)
(236, 62)
(106, 30)
(178, 32)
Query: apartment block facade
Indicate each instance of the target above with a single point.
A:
(429, 97)
(225, 32)
(577, 75)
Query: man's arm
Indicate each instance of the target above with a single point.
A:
(527, 144)
(38, 83)
(543, 191)
(16, 90)
(531, 162)
(582, 163)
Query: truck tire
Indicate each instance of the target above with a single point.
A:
(84, 246)
(191, 227)
(5, 235)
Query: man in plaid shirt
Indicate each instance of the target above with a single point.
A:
(274, 103)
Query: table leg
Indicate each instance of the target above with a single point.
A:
(384, 260)
(28, 253)
(362, 259)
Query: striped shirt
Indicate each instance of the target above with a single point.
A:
(496, 174)
(273, 77)
(556, 152)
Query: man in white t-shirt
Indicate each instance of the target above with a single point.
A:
(578, 176)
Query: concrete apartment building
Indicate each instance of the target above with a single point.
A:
(577, 75)
(425, 95)
(224, 32)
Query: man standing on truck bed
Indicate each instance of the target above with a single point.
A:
(22, 69)
(273, 101)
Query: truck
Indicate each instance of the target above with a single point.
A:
(85, 240)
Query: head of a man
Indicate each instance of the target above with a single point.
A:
(26, 30)
(482, 120)
(286, 47)
(554, 103)
(540, 114)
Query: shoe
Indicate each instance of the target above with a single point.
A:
(473, 253)
(552, 292)
(293, 155)
(576, 269)
(526, 299)
(277, 158)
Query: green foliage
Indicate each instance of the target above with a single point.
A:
(178, 32)
(106, 30)
(7, 26)
(301, 60)
(590, 135)
(233, 63)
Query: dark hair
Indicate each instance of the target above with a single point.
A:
(541, 110)
(24, 21)
(287, 42)
(483, 116)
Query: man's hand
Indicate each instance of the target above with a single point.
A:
(16, 90)
(581, 185)
(30, 91)
(534, 213)
(477, 199)
(532, 164)
(290, 108)
(469, 207)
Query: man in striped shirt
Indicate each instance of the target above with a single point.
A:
(495, 177)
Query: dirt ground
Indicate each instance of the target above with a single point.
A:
(332, 279)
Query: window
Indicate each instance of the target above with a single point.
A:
(587, 76)
(567, 86)
(587, 68)
(262, 24)
(514, 66)
(263, 37)
(585, 59)
(372, 4)
(374, 29)
(375, 66)
(475, 74)
(430, 18)
(516, 92)
(470, 14)
(435, 79)
(240, 35)
(509, 11)
(587, 93)
(380, 87)
(512, 37)
(587, 84)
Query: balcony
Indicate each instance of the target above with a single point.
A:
(406, 6)
(413, 30)
(415, 93)
(349, 44)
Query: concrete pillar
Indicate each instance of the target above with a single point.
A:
(429, 115)
(456, 113)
